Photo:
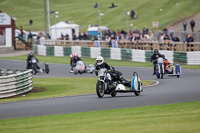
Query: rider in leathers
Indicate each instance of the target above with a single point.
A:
(154, 58)
(28, 61)
(118, 75)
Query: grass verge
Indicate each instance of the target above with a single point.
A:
(57, 87)
(66, 60)
(169, 118)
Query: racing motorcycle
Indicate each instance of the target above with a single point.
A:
(45, 67)
(108, 84)
(160, 69)
(81, 68)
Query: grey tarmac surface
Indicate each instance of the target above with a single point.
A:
(169, 90)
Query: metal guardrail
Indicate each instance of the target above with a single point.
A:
(149, 45)
(15, 82)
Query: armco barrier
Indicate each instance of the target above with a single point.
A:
(15, 82)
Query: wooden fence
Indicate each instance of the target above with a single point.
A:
(171, 46)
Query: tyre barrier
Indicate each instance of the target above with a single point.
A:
(15, 82)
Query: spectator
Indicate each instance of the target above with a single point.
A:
(123, 32)
(171, 32)
(189, 38)
(151, 35)
(175, 39)
(161, 38)
(132, 14)
(185, 25)
(136, 31)
(84, 36)
(73, 36)
(95, 38)
(145, 30)
(30, 35)
(166, 39)
(22, 32)
(80, 37)
(192, 24)
(96, 5)
(165, 31)
(112, 5)
(62, 36)
(30, 22)
(66, 37)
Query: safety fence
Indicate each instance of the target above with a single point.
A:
(191, 58)
(139, 45)
(14, 82)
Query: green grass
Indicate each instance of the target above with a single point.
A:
(66, 60)
(83, 13)
(57, 87)
(169, 118)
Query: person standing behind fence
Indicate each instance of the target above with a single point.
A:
(192, 24)
(185, 25)
(30, 22)
(22, 32)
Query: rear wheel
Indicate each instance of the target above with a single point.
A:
(114, 93)
(34, 69)
(100, 89)
(161, 70)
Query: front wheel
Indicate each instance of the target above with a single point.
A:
(34, 69)
(100, 89)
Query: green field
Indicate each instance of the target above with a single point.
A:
(169, 118)
(58, 87)
(83, 13)
(66, 60)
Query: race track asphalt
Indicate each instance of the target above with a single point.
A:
(169, 90)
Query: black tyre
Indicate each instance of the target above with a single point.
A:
(161, 74)
(113, 94)
(178, 76)
(158, 76)
(137, 93)
(100, 89)
(34, 69)
(91, 72)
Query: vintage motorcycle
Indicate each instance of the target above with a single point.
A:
(108, 84)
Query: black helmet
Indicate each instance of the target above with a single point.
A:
(156, 51)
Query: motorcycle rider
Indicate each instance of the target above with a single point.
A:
(73, 60)
(119, 76)
(29, 63)
(154, 58)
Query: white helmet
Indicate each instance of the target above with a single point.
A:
(99, 60)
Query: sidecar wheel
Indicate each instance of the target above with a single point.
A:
(137, 93)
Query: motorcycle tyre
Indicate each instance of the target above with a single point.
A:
(100, 94)
(114, 93)
(137, 93)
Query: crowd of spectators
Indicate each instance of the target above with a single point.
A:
(144, 35)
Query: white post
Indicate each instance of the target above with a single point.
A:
(48, 14)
